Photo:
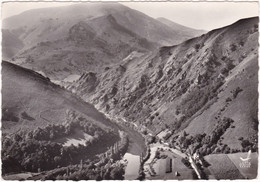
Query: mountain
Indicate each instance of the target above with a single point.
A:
(30, 100)
(64, 41)
(11, 44)
(184, 31)
(204, 85)
(46, 128)
(33, 25)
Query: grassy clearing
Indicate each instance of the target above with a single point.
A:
(160, 167)
(20, 176)
(78, 137)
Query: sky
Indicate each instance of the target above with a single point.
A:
(198, 15)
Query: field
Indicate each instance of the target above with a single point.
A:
(20, 176)
(78, 137)
(247, 172)
(132, 169)
(227, 166)
(178, 166)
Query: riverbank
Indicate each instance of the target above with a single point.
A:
(137, 149)
(137, 144)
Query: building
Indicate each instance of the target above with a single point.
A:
(168, 165)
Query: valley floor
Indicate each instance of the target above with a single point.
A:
(156, 167)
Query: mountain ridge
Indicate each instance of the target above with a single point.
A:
(184, 29)
(26, 91)
(103, 34)
(160, 89)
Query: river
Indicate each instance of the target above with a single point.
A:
(135, 149)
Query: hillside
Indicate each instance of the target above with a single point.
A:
(47, 130)
(11, 44)
(45, 127)
(205, 85)
(50, 23)
(86, 47)
(64, 41)
(30, 100)
(184, 31)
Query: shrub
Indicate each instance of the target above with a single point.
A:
(245, 143)
(150, 139)
(223, 58)
(240, 138)
(236, 91)
(228, 99)
(186, 162)
(233, 47)
(224, 71)
(230, 65)
(197, 46)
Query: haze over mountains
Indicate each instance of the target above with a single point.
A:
(183, 30)
(62, 41)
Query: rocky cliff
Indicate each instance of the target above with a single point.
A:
(191, 86)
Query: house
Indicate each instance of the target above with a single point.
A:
(168, 165)
(164, 134)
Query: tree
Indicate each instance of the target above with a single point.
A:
(227, 150)
(17, 138)
(236, 91)
(151, 139)
(245, 143)
(117, 173)
(186, 142)
(57, 160)
(198, 138)
(107, 174)
(144, 132)
(197, 46)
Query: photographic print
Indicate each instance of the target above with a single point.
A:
(129, 90)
